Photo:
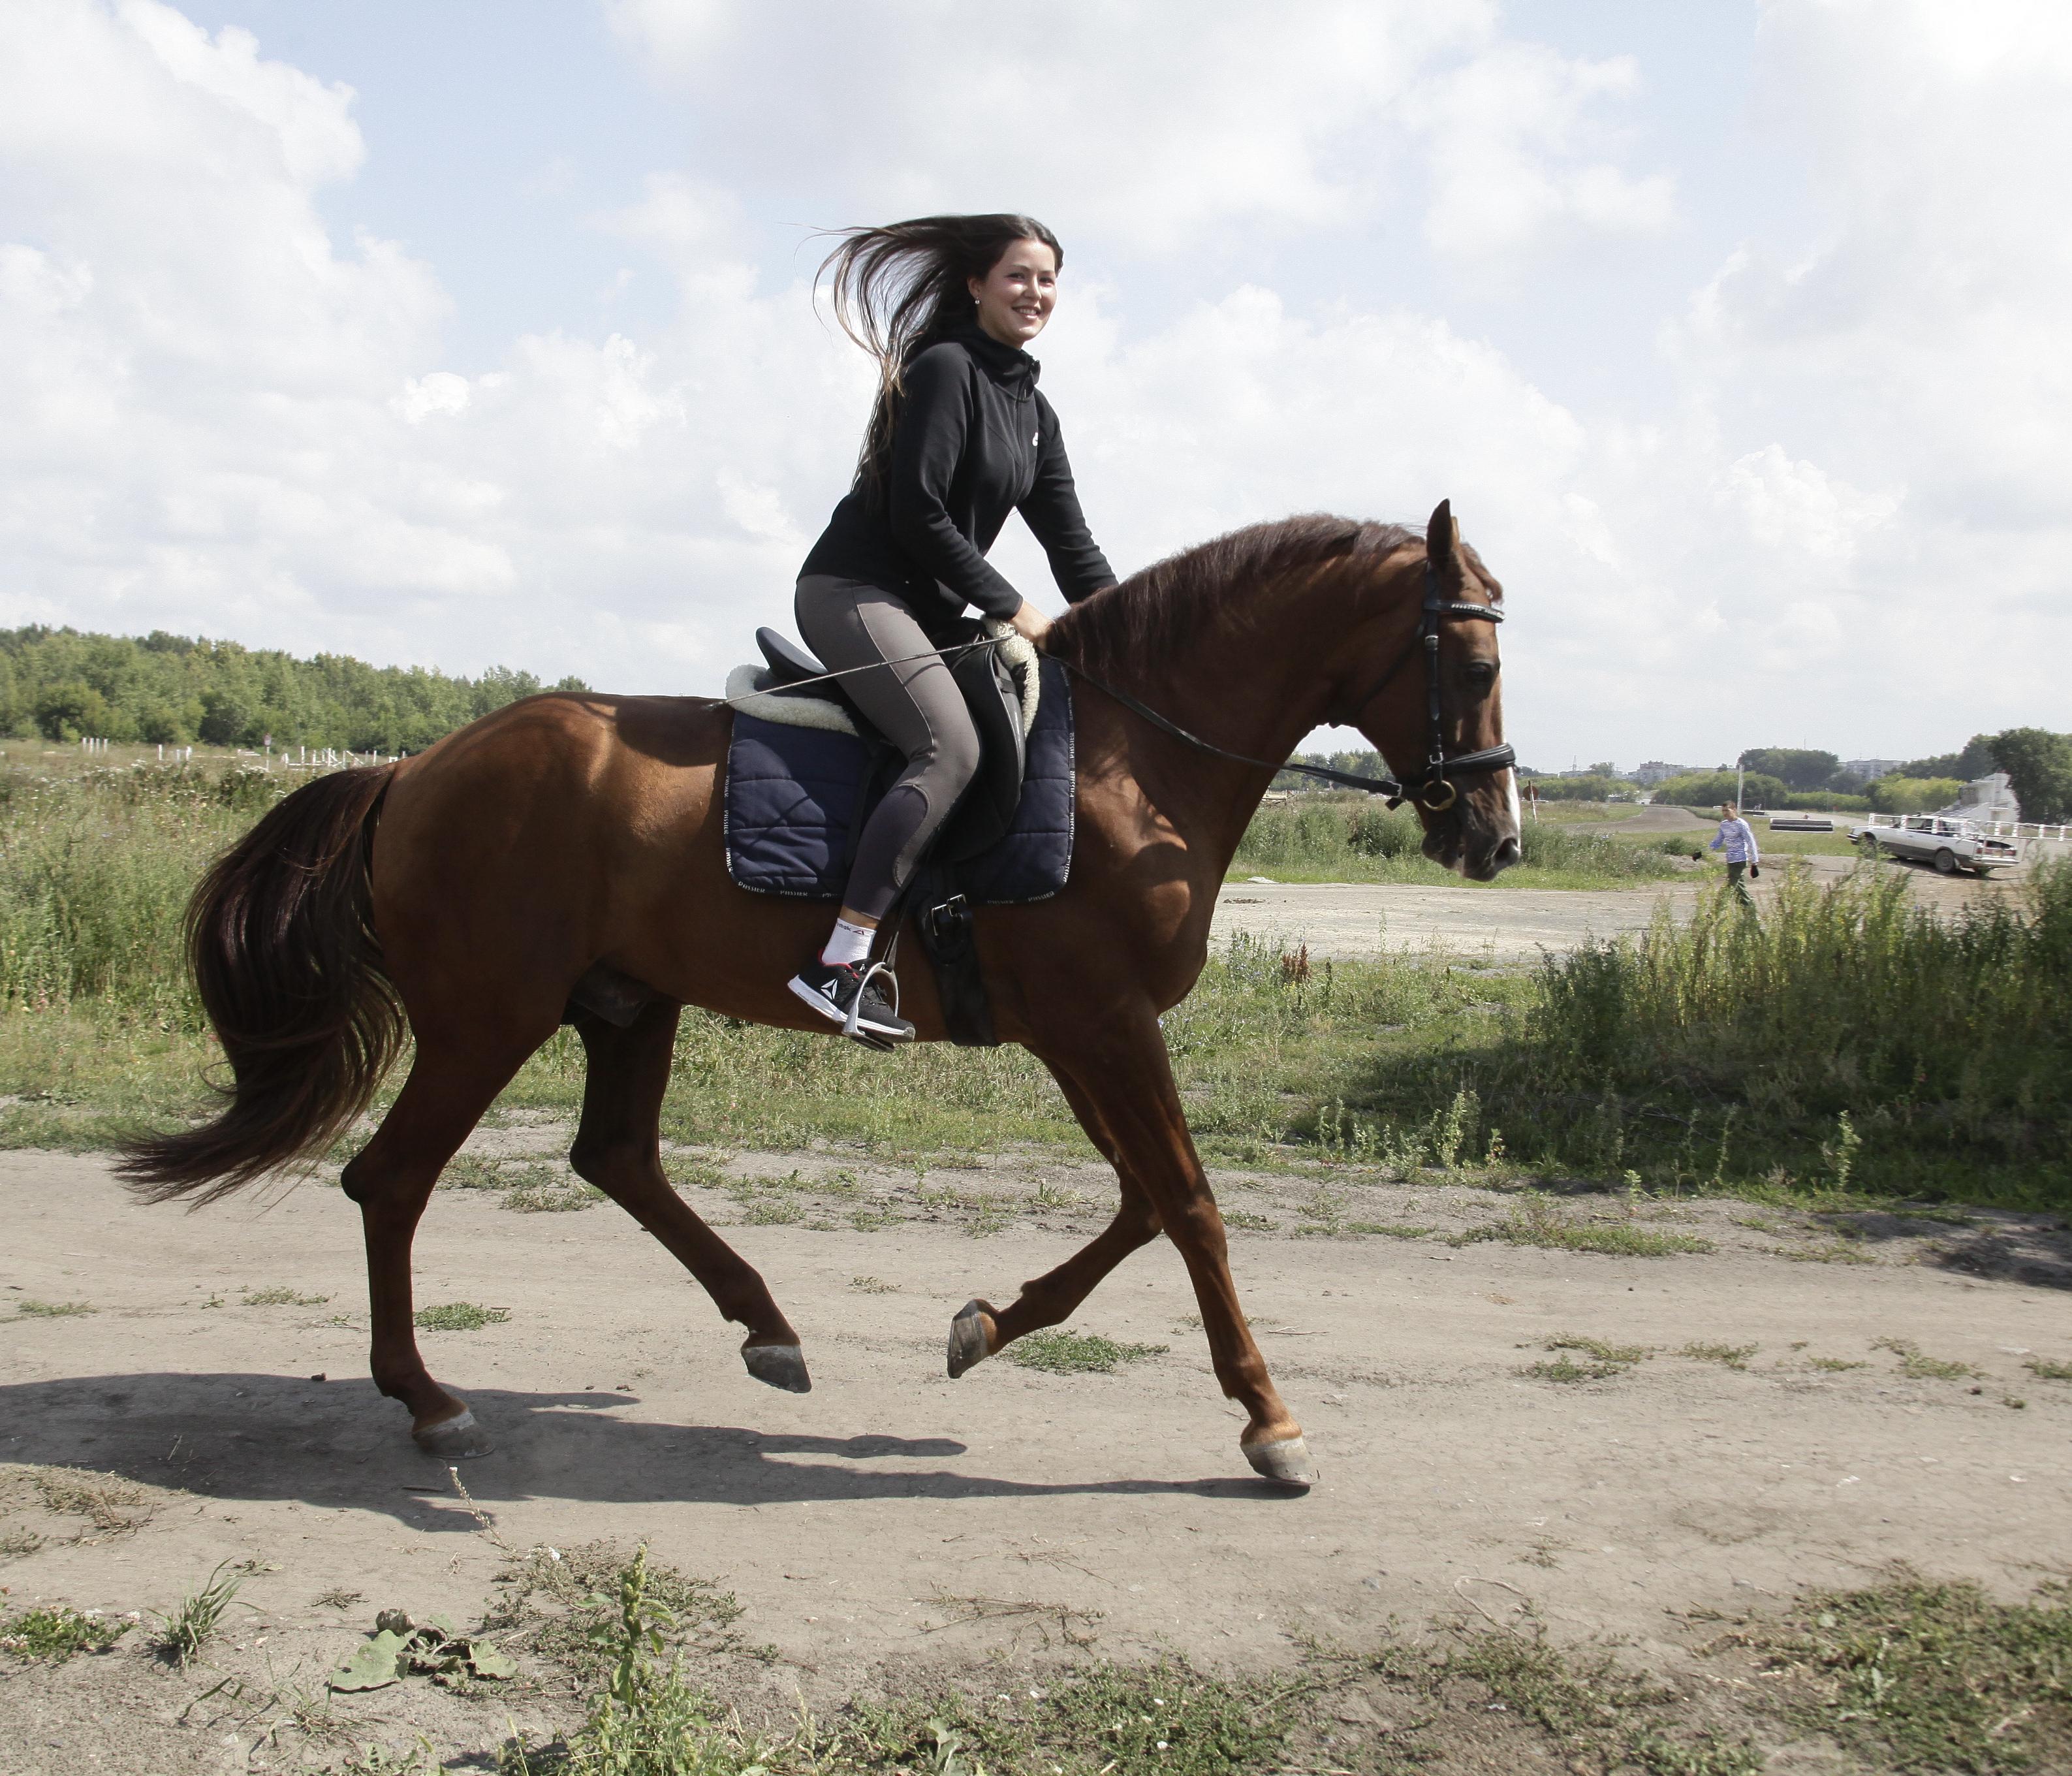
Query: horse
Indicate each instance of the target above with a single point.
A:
(460, 894)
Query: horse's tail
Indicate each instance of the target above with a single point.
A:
(279, 934)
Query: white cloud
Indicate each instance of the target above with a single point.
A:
(1510, 134)
(1799, 508)
(1146, 123)
(224, 420)
(440, 392)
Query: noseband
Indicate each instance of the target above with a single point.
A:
(1433, 788)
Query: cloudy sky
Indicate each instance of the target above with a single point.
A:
(482, 332)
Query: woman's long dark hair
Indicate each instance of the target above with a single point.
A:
(899, 289)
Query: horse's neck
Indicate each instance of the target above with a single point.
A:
(1253, 681)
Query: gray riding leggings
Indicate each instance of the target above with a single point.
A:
(916, 706)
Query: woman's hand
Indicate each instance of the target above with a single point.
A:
(1028, 622)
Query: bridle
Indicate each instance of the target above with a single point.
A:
(1433, 788)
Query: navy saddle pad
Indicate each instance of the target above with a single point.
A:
(796, 799)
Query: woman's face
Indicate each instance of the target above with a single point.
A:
(1015, 297)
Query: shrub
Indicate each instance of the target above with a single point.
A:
(1846, 1040)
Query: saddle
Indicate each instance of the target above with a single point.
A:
(1003, 708)
(805, 767)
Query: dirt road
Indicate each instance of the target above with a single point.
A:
(1756, 1436)
(1346, 920)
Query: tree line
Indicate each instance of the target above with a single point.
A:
(2037, 762)
(64, 685)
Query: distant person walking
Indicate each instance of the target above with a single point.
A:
(1736, 838)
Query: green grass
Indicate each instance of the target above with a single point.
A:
(1916, 1367)
(1535, 1221)
(52, 1310)
(1355, 838)
(283, 1298)
(1060, 1353)
(2044, 1369)
(1916, 1676)
(459, 1317)
(1845, 1050)
(192, 1623)
(55, 1633)
(1732, 1356)
(1848, 1047)
(1579, 1358)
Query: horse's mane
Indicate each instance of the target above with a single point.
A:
(1145, 619)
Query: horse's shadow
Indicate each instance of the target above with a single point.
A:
(339, 1445)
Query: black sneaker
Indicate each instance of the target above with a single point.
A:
(844, 994)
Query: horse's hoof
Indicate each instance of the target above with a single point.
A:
(970, 1336)
(452, 1438)
(780, 1365)
(1286, 1461)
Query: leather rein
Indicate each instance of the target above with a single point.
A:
(1433, 788)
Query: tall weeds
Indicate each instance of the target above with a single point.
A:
(1359, 838)
(94, 873)
(1848, 1037)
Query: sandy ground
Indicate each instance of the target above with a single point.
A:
(893, 1518)
(1347, 920)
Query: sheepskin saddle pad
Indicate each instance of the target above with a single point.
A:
(805, 768)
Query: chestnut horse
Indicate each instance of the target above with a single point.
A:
(466, 890)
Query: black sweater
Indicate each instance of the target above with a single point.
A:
(973, 441)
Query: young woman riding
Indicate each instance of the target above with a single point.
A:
(958, 437)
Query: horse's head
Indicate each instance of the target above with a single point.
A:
(1471, 822)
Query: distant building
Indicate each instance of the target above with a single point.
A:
(1654, 772)
(1870, 769)
(1986, 799)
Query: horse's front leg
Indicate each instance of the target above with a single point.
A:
(980, 1328)
(1128, 1080)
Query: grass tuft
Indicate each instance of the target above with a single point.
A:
(1917, 1367)
(53, 1632)
(459, 1317)
(1061, 1353)
(282, 1297)
(2045, 1369)
(52, 1310)
(194, 1620)
(1535, 1221)
(1733, 1356)
(1601, 1360)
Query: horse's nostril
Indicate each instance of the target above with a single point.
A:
(1507, 854)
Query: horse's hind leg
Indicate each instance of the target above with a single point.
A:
(618, 1148)
(449, 1087)
(980, 1329)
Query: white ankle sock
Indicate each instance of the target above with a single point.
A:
(848, 943)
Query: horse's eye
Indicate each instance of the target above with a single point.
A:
(1481, 673)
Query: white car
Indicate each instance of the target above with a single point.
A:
(1948, 843)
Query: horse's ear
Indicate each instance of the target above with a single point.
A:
(1439, 540)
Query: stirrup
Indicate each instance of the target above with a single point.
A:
(852, 1026)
